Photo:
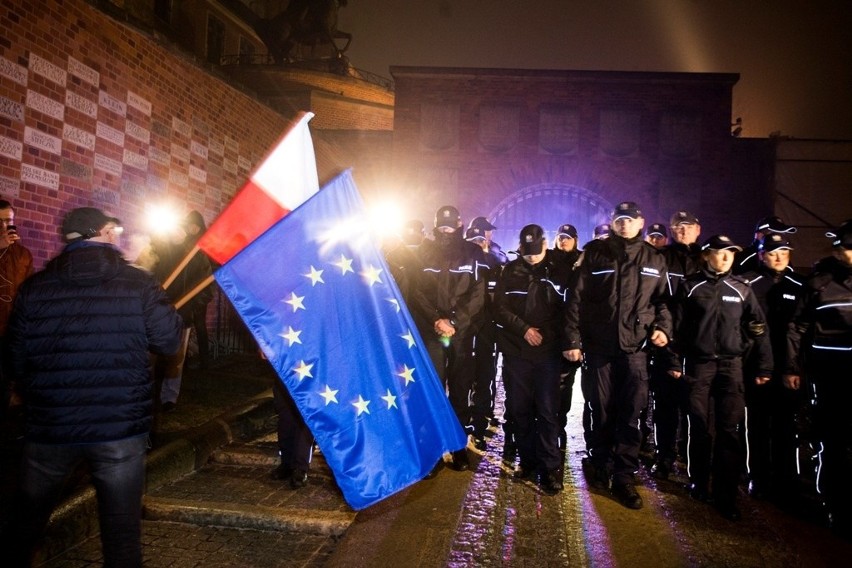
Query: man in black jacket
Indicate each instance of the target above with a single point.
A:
(529, 310)
(447, 305)
(616, 310)
(80, 334)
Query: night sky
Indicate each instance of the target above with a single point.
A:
(794, 57)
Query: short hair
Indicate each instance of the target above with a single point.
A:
(6, 205)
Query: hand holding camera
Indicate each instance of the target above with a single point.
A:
(12, 234)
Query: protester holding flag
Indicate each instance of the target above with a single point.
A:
(448, 305)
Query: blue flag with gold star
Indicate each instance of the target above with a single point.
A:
(317, 295)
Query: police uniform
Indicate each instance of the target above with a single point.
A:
(449, 288)
(712, 313)
(820, 346)
(771, 408)
(618, 303)
(747, 260)
(527, 297)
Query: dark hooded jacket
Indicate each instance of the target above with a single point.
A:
(80, 334)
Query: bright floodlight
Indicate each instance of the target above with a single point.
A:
(161, 219)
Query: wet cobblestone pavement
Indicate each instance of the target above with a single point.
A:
(232, 513)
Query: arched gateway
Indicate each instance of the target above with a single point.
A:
(549, 205)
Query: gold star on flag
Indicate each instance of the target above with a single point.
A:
(371, 275)
(292, 336)
(409, 338)
(315, 276)
(295, 301)
(407, 374)
(390, 399)
(329, 395)
(361, 405)
(344, 264)
(303, 370)
(395, 303)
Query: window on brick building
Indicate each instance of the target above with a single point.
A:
(246, 51)
(215, 40)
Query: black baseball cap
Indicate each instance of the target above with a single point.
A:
(447, 216)
(683, 218)
(842, 236)
(481, 223)
(566, 230)
(626, 209)
(720, 242)
(474, 234)
(532, 240)
(773, 224)
(602, 230)
(774, 241)
(84, 223)
(657, 229)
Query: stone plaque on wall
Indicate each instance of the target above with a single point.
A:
(680, 135)
(499, 127)
(439, 126)
(619, 133)
(558, 129)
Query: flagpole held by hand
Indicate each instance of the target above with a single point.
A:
(193, 251)
(194, 292)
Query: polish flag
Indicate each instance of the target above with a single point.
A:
(282, 182)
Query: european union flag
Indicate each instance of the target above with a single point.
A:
(318, 297)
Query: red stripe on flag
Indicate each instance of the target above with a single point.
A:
(250, 214)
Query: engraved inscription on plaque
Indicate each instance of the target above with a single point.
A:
(178, 178)
(48, 106)
(73, 169)
(499, 126)
(11, 148)
(439, 126)
(229, 166)
(198, 149)
(680, 135)
(81, 104)
(108, 165)
(79, 136)
(10, 187)
(135, 160)
(111, 103)
(181, 127)
(232, 145)
(83, 72)
(180, 152)
(159, 156)
(11, 109)
(110, 134)
(161, 129)
(197, 174)
(619, 133)
(39, 176)
(244, 163)
(48, 70)
(13, 71)
(138, 132)
(106, 196)
(42, 140)
(558, 129)
(216, 147)
(139, 103)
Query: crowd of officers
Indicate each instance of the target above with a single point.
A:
(708, 349)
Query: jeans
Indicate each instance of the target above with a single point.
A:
(118, 474)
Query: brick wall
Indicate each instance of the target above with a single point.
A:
(95, 113)
(476, 137)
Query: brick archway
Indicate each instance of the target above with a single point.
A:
(549, 205)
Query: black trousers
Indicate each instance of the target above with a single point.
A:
(485, 373)
(454, 363)
(532, 406)
(716, 392)
(295, 440)
(618, 389)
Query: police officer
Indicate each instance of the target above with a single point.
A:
(682, 257)
(770, 417)
(402, 258)
(447, 305)
(567, 254)
(529, 310)
(617, 308)
(657, 236)
(716, 316)
(820, 348)
(747, 260)
(484, 342)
